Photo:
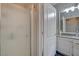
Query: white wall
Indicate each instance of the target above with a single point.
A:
(36, 15)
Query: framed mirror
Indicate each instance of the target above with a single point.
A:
(69, 21)
(70, 24)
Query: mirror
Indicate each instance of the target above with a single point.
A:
(69, 21)
(70, 24)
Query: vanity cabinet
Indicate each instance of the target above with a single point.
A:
(65, 46)
(68, 41)
(68, 46)
(76, 47)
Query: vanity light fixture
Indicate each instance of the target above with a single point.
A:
(71, 8)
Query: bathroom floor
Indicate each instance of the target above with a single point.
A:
(59, 54)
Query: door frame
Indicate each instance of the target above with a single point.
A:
(0, 27)
(39, 30)
(40, 36)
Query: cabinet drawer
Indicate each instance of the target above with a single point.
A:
(76, 41)
(65, 46)
(76, 49)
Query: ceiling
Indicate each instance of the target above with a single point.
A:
(53, 3)
(62, 6)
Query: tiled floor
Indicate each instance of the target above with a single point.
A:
(59, 54)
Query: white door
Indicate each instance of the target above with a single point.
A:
(49, 30)
(15, 30)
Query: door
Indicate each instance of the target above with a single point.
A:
(15, 30)
(49, 30)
